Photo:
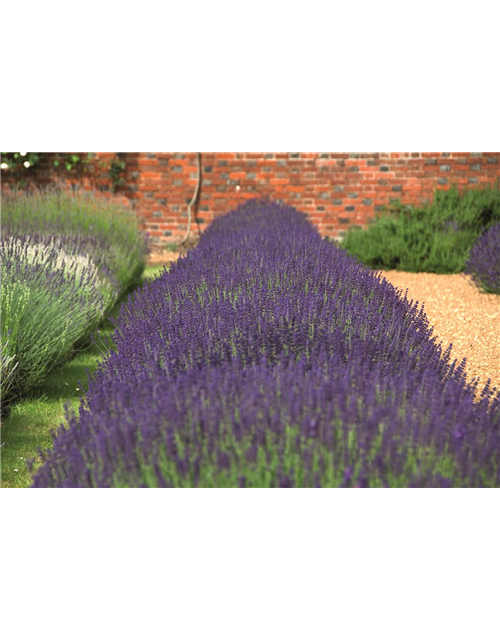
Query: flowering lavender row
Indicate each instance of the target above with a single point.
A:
(335, 424)
(269, 357)
(483, 264)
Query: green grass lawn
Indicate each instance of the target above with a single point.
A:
(32, 421)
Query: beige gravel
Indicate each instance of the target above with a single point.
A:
(458, 312)
(461, 315)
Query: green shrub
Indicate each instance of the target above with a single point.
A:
(436, 238)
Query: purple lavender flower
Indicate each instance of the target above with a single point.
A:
(483, 265)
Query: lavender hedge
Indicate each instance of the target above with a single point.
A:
(483, 264)
(269, 357)
(49, 301)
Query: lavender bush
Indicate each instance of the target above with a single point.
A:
(483, 264)
(105, 232)
(49, 300)
(268, 357)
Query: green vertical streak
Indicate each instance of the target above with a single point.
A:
(177, 562)
(299, 575)
(153, 563)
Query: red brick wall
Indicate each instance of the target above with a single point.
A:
(337, 190)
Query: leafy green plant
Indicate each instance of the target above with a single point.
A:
(436, 238)
(22, 161)
(116, 172)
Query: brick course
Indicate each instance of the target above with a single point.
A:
(336, 190)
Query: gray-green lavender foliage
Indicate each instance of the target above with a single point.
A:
(66, 258)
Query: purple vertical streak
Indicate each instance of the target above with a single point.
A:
(364, 571)
(144, 562)
(241, 561)
(446, 551)
(103, 551)
(480, 560)
(318, 592)
(344, 588)
(163, 566)
(34, 569)
(413, 630)
(385, 567)
(285, 560)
